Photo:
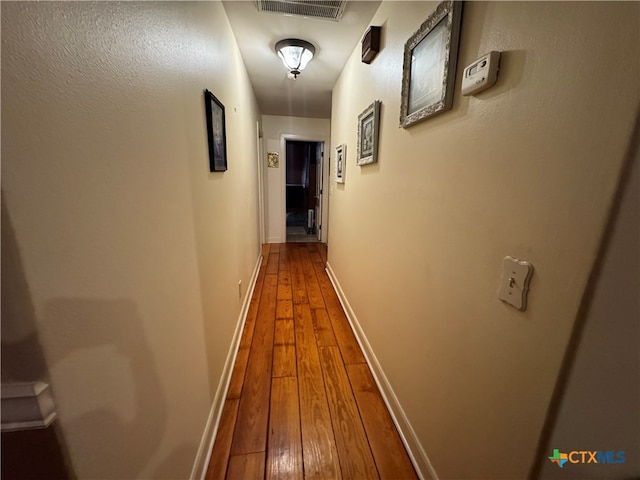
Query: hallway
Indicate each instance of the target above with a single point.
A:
(302, 402)
(126, 260)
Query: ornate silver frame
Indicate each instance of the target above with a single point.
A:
(441, 31)
(368, 129)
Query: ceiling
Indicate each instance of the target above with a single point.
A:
(310, 95)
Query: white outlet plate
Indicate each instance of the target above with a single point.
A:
(516, 275)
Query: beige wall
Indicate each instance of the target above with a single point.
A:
(129, 251)
(275, 130)
(526, 169)
(599, 408)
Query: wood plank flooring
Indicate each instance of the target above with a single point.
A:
(302, 403)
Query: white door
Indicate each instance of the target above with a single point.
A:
(319, 184)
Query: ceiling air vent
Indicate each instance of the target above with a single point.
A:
(329, 10)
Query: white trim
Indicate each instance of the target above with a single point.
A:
(261, 189)
(208, 437)
(417, 454)
(276, 240)
(284, 137)
(26, 405)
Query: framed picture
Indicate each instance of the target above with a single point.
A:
(429, 68)
(217, 133)
(341, 162)
(368, 127)
(273, 160)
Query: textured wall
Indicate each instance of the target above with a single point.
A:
(526, 169)
(130, 250)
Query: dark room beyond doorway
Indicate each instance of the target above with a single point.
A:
(302, 194)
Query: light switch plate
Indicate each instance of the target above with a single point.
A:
(516, 275)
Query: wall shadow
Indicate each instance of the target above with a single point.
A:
(38, 453)
(22, 356)
(96, 358)
(104, 367)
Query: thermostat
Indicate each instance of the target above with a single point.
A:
(481, 74)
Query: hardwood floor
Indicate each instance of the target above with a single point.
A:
(302, 402)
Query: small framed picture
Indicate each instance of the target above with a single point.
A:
(216, 133)
(273, 160)
(368, 128)
(429, 68)
(341, 162)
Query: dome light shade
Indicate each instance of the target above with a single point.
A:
(295, 54)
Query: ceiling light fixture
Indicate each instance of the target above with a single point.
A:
(295, 54)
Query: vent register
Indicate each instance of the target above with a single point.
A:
(326, 10)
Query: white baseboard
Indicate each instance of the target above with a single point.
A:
(418, 456)
(206, 443)
(275, 240)
(26, 405)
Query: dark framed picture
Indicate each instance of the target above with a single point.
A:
(368, 128)
(429, 69)
(216, 132)
(341, 162)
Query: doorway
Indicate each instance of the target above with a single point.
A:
(304, 190)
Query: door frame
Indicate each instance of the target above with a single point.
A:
(261, 183)
(325, 182)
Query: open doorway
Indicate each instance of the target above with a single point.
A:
(304, 190)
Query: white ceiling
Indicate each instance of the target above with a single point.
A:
(309, 95)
